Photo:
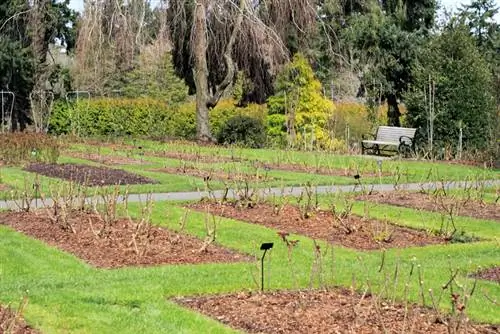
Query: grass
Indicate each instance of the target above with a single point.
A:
(67, 295)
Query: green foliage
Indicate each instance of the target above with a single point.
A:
(463, 91)
(145, 117)
(244, 131)
(155, 77)
(17, 148)
(299, 101)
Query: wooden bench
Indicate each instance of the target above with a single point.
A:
(387, 138)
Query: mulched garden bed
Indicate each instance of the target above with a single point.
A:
(318, 170)
(115, 249)
(12, 323)
(332, 311)
(107, 159)
(367, 234)
(194, 157)
(88, 175)
(213, 175)
(490, 274)
(421, 201)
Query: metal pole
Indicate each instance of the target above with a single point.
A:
(262, 269)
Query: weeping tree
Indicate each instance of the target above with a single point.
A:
(215, 39)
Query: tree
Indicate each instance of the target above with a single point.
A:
(455, 76)
(298, 107)
(212, 39)
(385, 42)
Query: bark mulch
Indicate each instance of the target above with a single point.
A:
(490, 274)
(421, 201)
(115, 249)
(107, 159)
(318, 170)
(213, 175)
(194, 157)
(88, 175)
(332, 311)
(366, 234)
(12, 323)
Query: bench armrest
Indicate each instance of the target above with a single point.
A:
(406, 140)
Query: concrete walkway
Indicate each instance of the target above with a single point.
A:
(285, 191)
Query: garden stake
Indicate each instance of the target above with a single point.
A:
(265, 246)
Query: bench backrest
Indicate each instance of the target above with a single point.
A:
(393, 133)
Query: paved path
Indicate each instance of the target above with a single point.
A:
(285, 191)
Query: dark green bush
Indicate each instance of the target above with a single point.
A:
(243, 130)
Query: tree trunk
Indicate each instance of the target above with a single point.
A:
(393, 112)
(200, 68)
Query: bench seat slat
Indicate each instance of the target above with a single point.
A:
(379, 142)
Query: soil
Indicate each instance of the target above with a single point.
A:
(88, 175)
(319, 170)
(421, 201)
(114, 248)
(213, 175)
(365, 234)
(331, 311)
(4, 187)
(490, 274)
(107, 159)
(195, 157)
(11, 323)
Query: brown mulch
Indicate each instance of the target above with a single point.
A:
(213, 175)
(318, 170)
(4, 187)
(332, 311)
(194, 157)
(12, 323)
(490, 274)
(421, 201)
(366, 234)
(107, 159)
(115, 250)
(88, 175)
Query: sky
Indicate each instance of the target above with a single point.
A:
(448, 4)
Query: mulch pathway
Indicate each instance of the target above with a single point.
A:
(12, 323)
(421, 201)
(364, 234)
(115, 249)
(313, 311)
(88, 175)
(107, 159)
(490, 274)
(214, 174)
(194, 157)
(290, 167)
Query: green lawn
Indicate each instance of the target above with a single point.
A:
(393, 171)
(67, 295)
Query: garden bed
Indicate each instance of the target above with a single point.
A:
(303, 168)
(107, 159)
(115, 248)
(365, 234)
(194, 157)
(88, 175)
(421, 201)
(332, 311)
(213, 175)
(12, 323)
(490, 274)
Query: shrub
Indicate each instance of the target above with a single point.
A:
(19, 147)
(243, 130)
(145, 117)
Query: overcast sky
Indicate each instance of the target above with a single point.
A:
(449, 4)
